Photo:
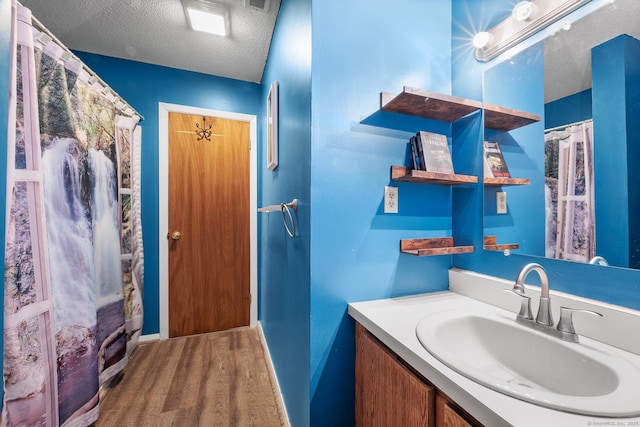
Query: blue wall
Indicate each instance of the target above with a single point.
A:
(144, 86)
(570, 109)
(358, 53)
(5, 56)
(610, 150)
(616, 106)
(284, 262)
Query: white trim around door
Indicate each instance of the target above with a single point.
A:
(163, 185)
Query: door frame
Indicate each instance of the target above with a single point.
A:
(163, 200)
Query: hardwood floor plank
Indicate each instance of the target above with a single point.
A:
(254, 383)
(189, 376)
(141, 391)
(217, 379)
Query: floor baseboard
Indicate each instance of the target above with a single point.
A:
(274, 377)
(150, 337)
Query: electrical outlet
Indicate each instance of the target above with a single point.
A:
(501, 202)
(390, 199)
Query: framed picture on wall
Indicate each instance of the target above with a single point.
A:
(272, 127)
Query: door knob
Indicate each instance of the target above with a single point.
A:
(176, 235)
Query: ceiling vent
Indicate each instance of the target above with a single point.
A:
(260, 5)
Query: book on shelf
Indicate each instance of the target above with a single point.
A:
(434, 152)
(420, 153)
(415, 154)
(494, 163)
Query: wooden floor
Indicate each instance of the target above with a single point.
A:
(217, 379)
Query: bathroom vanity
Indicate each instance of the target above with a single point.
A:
(383, 378)
(400, 382)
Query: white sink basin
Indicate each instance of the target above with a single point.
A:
(587, 378)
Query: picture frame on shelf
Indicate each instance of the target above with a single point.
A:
(272, 127)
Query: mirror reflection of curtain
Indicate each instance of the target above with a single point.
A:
(72, 292)
(569, 192)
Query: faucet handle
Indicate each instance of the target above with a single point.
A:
(565, 324)
(525, 303)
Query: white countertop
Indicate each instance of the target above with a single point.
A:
(393, 321)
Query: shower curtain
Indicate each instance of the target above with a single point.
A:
(73, 250)
(569, 192)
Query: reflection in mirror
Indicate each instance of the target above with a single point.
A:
(569, 192)
(583, 199)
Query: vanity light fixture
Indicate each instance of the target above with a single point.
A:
(207, 16)
(526, 19)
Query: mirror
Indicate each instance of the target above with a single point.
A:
(583, 194)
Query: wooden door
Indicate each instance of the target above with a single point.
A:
(209, 235)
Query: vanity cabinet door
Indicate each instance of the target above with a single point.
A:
(449, 414)
(387, 392)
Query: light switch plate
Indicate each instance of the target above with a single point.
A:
(390, 199)
(501, 202)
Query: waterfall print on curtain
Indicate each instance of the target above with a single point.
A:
(73, 308)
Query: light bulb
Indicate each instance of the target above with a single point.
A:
(481, 39)
(523, 11)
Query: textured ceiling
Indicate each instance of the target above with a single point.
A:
(156, 32)
(567, 63)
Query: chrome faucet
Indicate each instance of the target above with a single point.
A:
(544, 320)
(544, 309)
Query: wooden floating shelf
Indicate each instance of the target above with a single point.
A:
(506, 119)
(498, 182)
(502, 247)
(432, 247)
(430, 105)
(405, 174)
(491, 244)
